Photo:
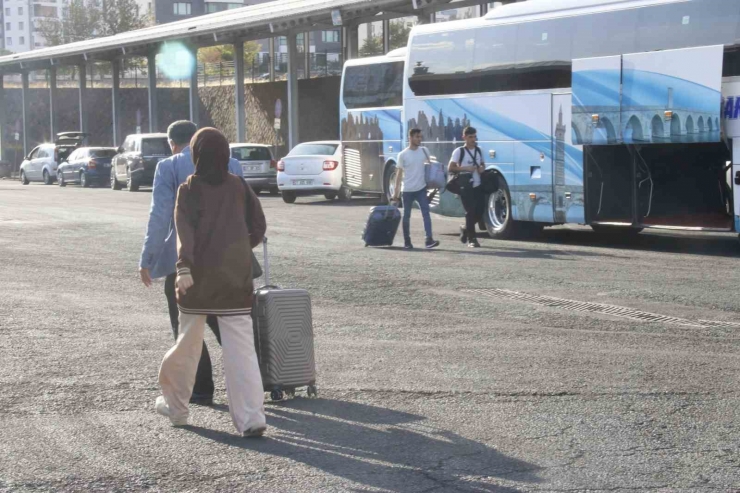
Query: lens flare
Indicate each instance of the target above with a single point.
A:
(175, 61)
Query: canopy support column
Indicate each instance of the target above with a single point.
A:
(151, 68)
(239, 91)
(292, 91)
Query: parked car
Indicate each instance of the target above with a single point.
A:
(258, 166)
(137, 159)
(86, 166)
(42, 162)
(313, 168)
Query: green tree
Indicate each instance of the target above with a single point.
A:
(120, 16)
(80, 21)
(399, 33)
(373, 45)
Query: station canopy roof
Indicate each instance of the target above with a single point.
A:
(254, 22)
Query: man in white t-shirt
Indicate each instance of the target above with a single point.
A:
(467, 162)
(410, 178)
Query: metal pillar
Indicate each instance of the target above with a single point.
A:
(386, 36)
(24, 110)
(116, 98)
(239, 91)
(2, 114)
(194, 99)
(53, 102)
(272, 59)
(307, 55)
(351, 34)
(292, 91)
(83, 97)
(151, 69)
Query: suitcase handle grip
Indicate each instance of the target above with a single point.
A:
(268, 286)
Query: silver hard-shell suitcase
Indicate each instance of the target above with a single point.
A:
(283, 336)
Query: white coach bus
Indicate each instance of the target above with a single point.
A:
(619, 114)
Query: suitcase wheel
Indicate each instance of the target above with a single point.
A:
(276, 395)
(311, 391)
(290, 392)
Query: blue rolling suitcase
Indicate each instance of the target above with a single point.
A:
(382, 225)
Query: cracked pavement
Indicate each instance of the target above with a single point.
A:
(423, 386)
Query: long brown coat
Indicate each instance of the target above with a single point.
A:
(217, 226)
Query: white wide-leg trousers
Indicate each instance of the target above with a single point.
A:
(241, 369)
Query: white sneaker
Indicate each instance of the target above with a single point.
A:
(163, 409)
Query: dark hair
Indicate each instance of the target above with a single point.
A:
(414, 131)
(469, 131)
(181, 131)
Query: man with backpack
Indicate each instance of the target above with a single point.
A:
(467, 162)
(411, 177)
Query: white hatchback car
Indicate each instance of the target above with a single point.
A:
(313, 168)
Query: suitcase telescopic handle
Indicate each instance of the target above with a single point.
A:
(266, 262)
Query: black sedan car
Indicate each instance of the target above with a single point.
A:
(86, 166)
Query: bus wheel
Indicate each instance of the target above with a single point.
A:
(498, 213)
(389, 183)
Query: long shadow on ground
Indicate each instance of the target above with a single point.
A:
(378, 447)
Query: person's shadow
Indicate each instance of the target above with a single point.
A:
(378, 447)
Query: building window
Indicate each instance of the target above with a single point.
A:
(181, 8)
(20, 26)
(212, 7)
(330, 36)
(7, 26)
(7, 11)
(21, 40)
(20, 10)
(8, 41)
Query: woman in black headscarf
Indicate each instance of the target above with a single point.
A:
(219, 220)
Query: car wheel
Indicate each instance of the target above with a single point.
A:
(47, 178)
(330, 195)
(83, 180)
(257, 190)
(60, 179)
(24, 180)
(289, 197)
(114, 184)
(274, 192)
(131, 185)
(345, 194)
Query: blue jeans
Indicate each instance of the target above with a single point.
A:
(408, 203)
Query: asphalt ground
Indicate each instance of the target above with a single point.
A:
(425, 384)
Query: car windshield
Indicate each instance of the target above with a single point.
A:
(155, 147)
(251, 153)
(103, 153)
(313, 150)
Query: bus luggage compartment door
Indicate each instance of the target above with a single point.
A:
(661, 97)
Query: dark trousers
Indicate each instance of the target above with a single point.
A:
(474, 202)
(204, 376)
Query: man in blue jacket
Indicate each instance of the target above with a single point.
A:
(159, 255)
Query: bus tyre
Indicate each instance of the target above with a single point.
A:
(616, 231)
(389, 183)
(498, 219)
(345, 194)
(289, 197)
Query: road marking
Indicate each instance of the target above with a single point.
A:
(613, 310)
